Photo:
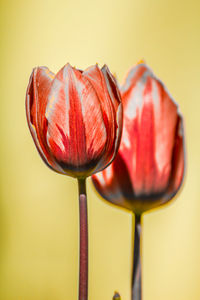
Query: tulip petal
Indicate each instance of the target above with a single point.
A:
(76, 132)
(178, 161)
(149, 167)
(149, 134)
(133, 77)
(114, 183)
(111, 84)
(75, 118)
(110, 102)
(116, 100)
(36, 100)
(31, 117)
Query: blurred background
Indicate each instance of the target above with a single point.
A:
(39, 208)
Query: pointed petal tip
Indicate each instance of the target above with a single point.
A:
(140, 64)
(64, 72)
(91, 69)
(111, 79)
(42, 71)
(66, 67)
(106, 71)
(96, 66)
(40, 68)
(105, 67)
(140, 72)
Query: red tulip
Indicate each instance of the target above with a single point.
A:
(75, 118)
(148, 169)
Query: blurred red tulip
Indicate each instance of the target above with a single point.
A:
(148, 169)
(75, 118)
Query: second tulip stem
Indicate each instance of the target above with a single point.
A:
(136, 277)
(83, 246)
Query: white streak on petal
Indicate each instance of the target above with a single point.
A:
(100, 178)
(156, 99)
(131, 74)
(67, 110)
(58, 104)
(108, 174)
(52, 99)
(136, 97)
(165, 125)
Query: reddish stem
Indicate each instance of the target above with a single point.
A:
(136, 276)
(83, 258)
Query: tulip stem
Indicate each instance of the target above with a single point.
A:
(83, 246)
(136, 275)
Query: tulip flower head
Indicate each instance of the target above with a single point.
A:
(75, 118)
(148, 169)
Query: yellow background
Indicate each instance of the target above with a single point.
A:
(39, 208)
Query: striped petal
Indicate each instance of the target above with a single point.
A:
(149, 132)
(106, 88)
(76, 131)
(36, 101)
(75, 118)
(148, 169)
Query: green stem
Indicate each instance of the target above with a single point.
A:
(83, 258)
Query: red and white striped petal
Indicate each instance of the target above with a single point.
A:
(149, 132)
(75, 118)
(76, 132)
(149, 167)
(106, 88)
(115, 97)
(36, 100)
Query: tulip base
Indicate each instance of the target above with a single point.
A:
(83, 246)
(136, 277)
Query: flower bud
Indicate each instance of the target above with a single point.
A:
(75, 118)
(148, 169)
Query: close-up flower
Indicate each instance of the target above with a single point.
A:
(100, 161)
(75, 118)
(148, 169)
